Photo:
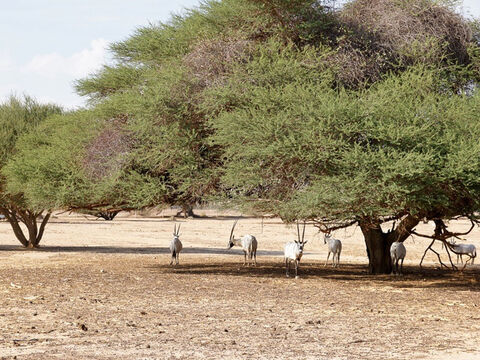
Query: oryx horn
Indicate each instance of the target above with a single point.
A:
(303, 234)
(233, 227)
(298, 232)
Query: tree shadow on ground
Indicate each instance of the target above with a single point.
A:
(413, 277)
(135, 250)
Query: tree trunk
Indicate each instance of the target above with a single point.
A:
(107, 215)
(378, 243)
(187, 211)
(378, 250)
(29, 219)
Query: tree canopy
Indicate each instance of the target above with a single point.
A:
(20, 116)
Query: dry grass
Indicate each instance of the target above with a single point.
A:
(103, 290)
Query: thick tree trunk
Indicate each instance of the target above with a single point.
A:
(378, 250)
(29, 219)
(378, 243)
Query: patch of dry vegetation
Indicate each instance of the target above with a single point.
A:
(381, 35)
(211, 60)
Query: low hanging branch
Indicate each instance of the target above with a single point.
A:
(442, 234)
(327, 227)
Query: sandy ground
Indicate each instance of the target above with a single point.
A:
(104, 290)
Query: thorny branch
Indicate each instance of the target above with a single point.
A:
(442, 234)
(327, 227)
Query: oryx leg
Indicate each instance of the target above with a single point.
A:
(296, 269)
(287, 265)
(326, 262)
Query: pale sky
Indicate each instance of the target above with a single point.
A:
(47, 44)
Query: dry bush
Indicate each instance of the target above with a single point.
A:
(353, 67)
(210, 59)
(383, 34)
(107, 153)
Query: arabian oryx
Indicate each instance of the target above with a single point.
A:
(248, 243)
(334, 247)
(294, 251)
(464, 249)
(175, 245)
(397, 253)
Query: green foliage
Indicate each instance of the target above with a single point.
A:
(303, 150)
(154, 44)
(18, 116)
(109, 81)
(77, 161)
(47, 166)
(282, 106)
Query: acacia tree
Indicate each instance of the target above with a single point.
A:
(77, 161)
(400, 150)
(392, 139)
(17, 117)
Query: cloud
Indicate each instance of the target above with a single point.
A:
(77, 65)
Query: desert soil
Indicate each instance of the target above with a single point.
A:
(104, 290)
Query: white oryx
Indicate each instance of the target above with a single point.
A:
(397, 253)
(248, 243)
(294, 251)
(175, 245)
(334, 247)
(464, 249)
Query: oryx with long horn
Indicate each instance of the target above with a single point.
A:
(294, 251)
(175, 245)
(248, 243)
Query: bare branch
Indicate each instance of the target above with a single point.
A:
(327, 228)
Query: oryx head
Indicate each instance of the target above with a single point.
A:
(326, 237)
(230, 240)
(176, 232)
(301, 240)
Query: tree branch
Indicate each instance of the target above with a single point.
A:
(42, 227)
